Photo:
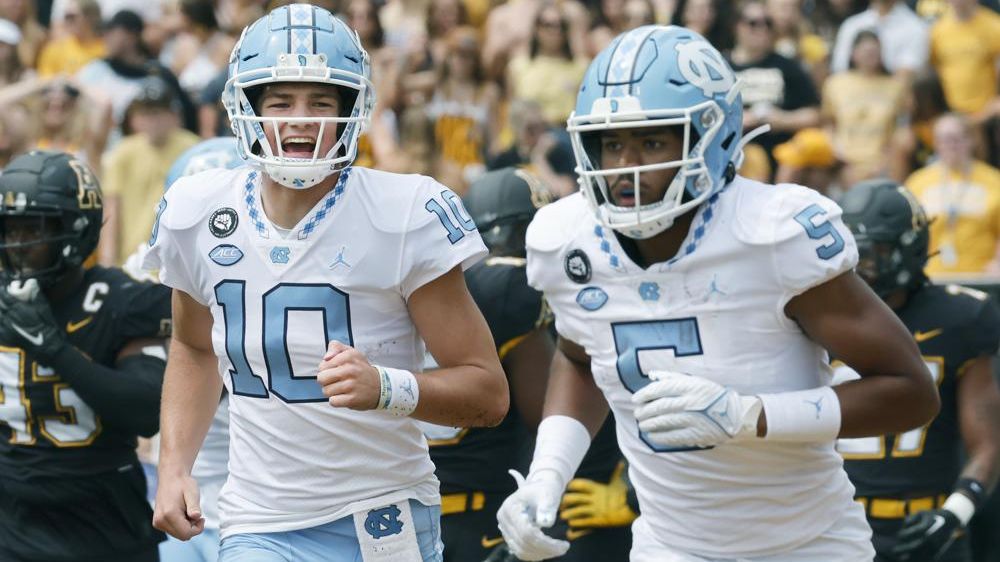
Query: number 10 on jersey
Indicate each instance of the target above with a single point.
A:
(276, 303)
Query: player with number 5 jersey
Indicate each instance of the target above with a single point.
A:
(699, 306)
(310, 288)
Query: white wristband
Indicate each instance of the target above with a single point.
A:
(804, 415)
(960, 504)
(560, 446)
(399, 391)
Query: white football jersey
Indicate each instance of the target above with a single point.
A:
(716, 311)
(343, 273)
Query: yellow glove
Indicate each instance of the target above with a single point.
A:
(588, 504)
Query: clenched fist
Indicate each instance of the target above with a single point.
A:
(348, 379)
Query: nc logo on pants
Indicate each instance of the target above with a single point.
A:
(383, 522)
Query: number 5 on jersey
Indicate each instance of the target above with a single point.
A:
(679, 335)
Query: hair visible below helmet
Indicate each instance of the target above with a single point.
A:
(50, 186)
(892, 233)
(219, 152)
(658, 76)
(502, 203)
(298, 43)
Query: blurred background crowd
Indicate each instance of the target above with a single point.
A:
(852, 89)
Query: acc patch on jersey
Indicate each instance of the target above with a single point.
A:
(591, 298)
(223, 222)
(578, 266)
(225, 254)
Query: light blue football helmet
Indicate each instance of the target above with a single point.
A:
(299, 43)
(220, 152)
(655, 76)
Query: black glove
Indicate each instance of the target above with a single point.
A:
(926, 535)
(29, 324)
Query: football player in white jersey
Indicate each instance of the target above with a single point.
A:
(312, 287)
(699, 305)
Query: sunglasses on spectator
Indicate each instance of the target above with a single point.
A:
(758, 23)
(550, 24)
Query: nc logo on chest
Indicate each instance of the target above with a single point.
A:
(280, 254)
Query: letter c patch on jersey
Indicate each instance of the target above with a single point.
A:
(578, 266)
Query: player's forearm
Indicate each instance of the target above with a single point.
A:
(191, 390)
(876, 405)
(572, 392)
(466, 396)
(127, 397)
(982, 466)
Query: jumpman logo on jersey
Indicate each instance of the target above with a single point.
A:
(339, 260)
(713, 289)
(818, 404)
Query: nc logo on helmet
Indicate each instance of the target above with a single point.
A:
(702, 65)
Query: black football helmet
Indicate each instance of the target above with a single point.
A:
(891, 230)
(502, 203)
(62, 194)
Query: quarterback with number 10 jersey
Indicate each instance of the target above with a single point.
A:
(715, 310)
(343, 273)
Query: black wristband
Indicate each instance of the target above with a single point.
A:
(972, 488)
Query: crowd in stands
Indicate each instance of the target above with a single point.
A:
(851, 90)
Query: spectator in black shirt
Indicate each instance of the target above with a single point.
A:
(776, 90)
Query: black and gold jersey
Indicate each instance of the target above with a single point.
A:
(46, 429)
(478, 458)
(953, 326)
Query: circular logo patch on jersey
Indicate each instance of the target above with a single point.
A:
(578, 266)
(223, 222)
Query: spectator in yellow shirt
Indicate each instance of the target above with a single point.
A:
(134, 171)
(81, 44)
(550, 73)
(862, 106)
(962, 195)
(965, 49)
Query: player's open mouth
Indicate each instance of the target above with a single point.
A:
(623, 195)
(298, 147)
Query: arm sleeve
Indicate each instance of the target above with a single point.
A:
(127, 396)
(146, 312)
(812, 244)
(441, 236)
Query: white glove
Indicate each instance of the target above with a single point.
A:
(680, 410)
(523, 515)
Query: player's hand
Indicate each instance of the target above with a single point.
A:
(523, 515)
(178, 506)
(26, 320)
(679, 410)
(926, 535)
(348, 379)
(587, 504)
